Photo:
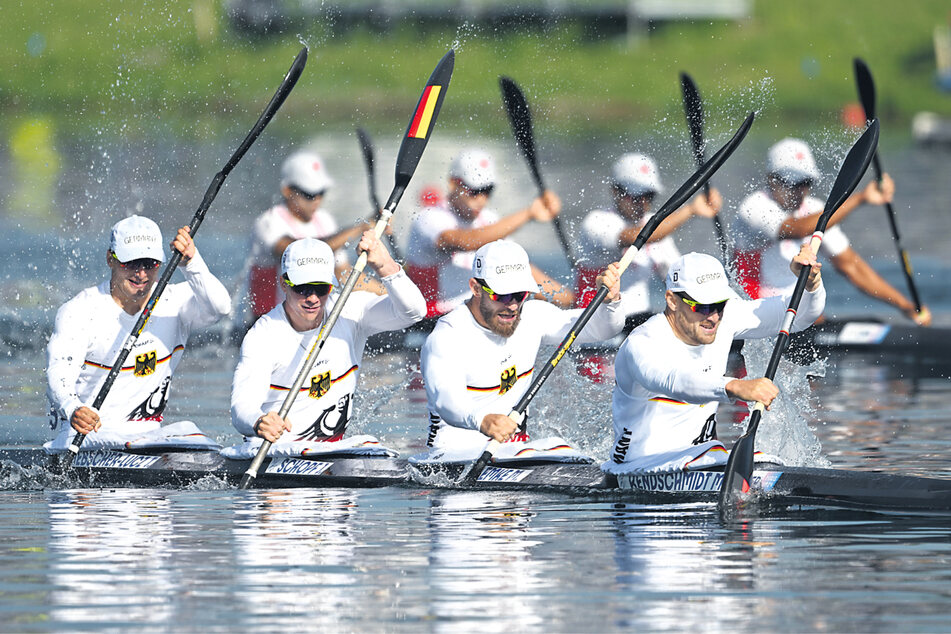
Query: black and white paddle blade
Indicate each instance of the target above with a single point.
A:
(866, 86)
(423, 121)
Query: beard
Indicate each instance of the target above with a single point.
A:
(491, 318)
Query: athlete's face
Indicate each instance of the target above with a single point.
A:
(789, 196)
(501, 315)
(632, 207)
(695, 328)
(304, 304)
(131, 282)
(302, 204)
(465, 202)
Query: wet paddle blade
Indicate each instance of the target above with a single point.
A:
(366, 146)
(866, 86)
(693, 108)
(850, 174)
(516, 107)
(738, 473)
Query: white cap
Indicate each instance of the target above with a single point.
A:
(308, 261)
(636, 174)
(700, 276)
(306, 172)
(792, 161)
(136, 237)
(504, 267)
(475, 168)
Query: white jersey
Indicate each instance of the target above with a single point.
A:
(600, 235)
(273, 352)
(762, 258)
(443, 277)
(470, 371)
(89, 332)
(666, 390)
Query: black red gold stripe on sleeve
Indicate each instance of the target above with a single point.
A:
(282, 388)
(495, 388)
(127, 368)
(664, 399)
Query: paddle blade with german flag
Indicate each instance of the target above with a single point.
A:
(423, 120)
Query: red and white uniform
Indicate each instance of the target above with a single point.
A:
(88, 335)
(442, 277)
(274, 224)
(273, 352)
(666, 390)
(762, 259)
(470, 371)
(600, 233)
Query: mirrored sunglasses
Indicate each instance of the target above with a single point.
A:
(704, 309)
(305, 290)
(506, 298)
(143, 264)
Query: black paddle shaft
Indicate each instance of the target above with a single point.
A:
(866, 87)
(290, 80)
(516, 107)
(693, 108)
(739, 466)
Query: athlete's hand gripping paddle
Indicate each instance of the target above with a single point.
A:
(293, 74)
(738, 475)
(675, 202)
(411, 149)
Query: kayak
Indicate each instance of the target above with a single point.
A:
(773, 484)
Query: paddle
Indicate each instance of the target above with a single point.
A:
(411, 149)
(293, 74)
(739, 467)
(676, 200)
(516, 107)
(693, 108)
(366, 144)
(863, 77)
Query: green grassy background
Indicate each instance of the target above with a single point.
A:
(86, 65)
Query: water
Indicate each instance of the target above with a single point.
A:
(211, 558)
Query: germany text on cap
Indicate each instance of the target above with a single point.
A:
(700, 276)
(136, 237)
(308, 261)
(504, 267)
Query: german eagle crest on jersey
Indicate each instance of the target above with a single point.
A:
(319, 385)
(145, 364)
(507, 380)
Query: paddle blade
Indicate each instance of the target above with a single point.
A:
(693, 108)
(423, 120)
(866, 85)
(516, 107)
(695, 182)
(366, 146)
(738, 474)
(853, 168)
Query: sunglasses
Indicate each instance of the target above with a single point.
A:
(300, 192)
(507, 298)
(704, 309)
(321, 289)
(141, 264)
(484, 191)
